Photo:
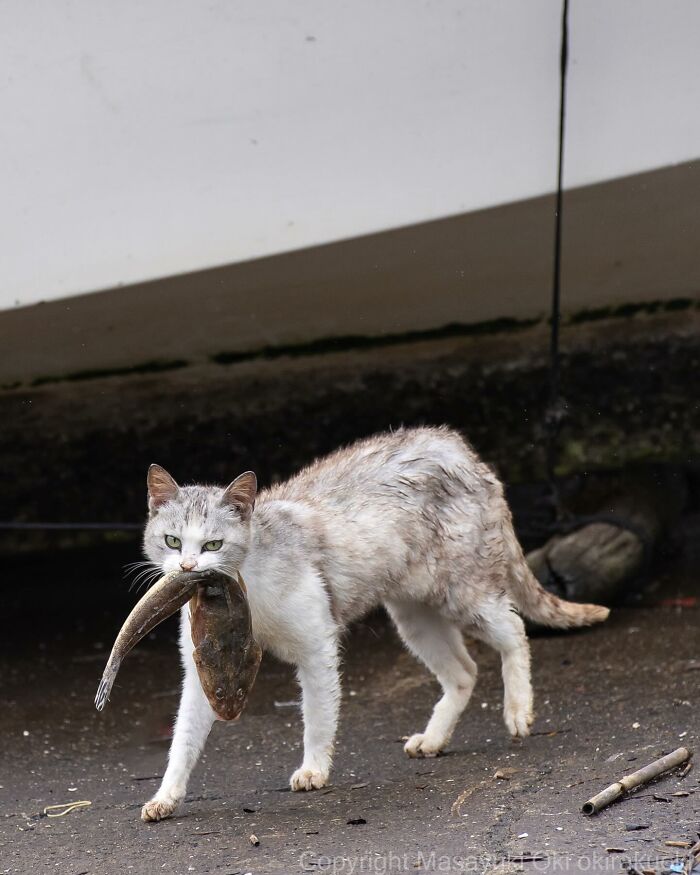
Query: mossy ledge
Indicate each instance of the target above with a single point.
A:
(342, 343)
(152, 367)
(349, 342)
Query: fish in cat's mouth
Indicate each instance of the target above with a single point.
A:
(226, 654)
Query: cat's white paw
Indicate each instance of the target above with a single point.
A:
(308, 779)
(518, 719)
(158, 809)
(420, 745)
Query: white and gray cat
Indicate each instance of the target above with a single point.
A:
(412, 520)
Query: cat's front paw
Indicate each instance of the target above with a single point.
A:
(518, 719)
(420, 745)
(158, 809)
(307, 778)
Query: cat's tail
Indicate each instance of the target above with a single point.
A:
(541, 606)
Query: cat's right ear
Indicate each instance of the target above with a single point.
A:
(161, 487)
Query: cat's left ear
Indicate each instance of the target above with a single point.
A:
(241, 494)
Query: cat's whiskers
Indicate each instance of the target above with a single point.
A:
(226, 568)
(136, 583)
(140, 574)
(140, 570)
(148, 580)
(131, 565)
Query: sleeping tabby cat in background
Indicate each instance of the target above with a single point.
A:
(412, 520)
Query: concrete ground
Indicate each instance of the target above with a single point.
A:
(608, 701)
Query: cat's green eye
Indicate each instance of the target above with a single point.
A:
(173, 542)
(213, 546)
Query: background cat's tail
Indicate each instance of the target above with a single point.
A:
(541, 606)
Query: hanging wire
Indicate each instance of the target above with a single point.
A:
(564, 521)
(556, 406)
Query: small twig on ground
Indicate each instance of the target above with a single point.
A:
(524, 858)
(550, 732)
(692, 858)
(636, 779)
(686, 770)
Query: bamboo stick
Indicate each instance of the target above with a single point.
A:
(636, 779)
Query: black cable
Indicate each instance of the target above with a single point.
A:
(69, 527)
(564, 521)
(555, 408)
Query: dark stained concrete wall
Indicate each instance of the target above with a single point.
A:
(78, 450)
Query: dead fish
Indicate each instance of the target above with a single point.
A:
(225, 653)
(160, 602)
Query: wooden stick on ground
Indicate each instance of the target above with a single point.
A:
(636, 779)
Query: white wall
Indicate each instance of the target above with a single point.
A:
(148, 138)
(153, 137)
(634, 87)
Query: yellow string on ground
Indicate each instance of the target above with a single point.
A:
(65, 808)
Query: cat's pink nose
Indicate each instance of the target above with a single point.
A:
(188, 564)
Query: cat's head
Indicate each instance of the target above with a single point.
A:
(198, 526)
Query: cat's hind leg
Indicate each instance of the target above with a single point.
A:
(438, 643)
(499, 626)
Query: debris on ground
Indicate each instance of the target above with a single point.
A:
(65, 808)
(461, 799)
(524, 858)
(691, 859)
(505, 774)
(636, 779)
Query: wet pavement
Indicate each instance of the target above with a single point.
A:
(609, 700)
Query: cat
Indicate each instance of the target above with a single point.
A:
(412, 520)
